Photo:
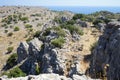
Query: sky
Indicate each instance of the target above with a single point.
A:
(60, 2)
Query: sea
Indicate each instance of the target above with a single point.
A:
(84, 9)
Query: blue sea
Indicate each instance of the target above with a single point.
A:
(84, 9)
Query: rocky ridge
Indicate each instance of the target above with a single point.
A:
(105, 57)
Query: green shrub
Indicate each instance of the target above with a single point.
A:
(28, 26)
(58, 42)
(58, 20)
(80, 32)
(47, 32)
(98, 21)
(16, 28)
(29, 39)
(71, 22)
(30, 29)
(73, 29)
(16, 72)
(6, 31)
(59, 31)
(12, 60)
(24, 19)
(37, 34)
(10, 34)
(10, 49)
(79, 16)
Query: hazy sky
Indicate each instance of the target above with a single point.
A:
(61, 2)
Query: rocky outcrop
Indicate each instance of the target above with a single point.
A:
(22, 51)
(83, 23)
(31, 52)
(34, 48)
(101, 26)
(106, 55)
(53, 61)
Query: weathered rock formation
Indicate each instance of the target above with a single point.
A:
(106, 56)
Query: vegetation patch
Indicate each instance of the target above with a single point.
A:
(10, 34)
(58, 42)
(15, 72)
(10, 49)
(16, 28)
(37, 33)
(73, 29)
(28, 26)
(12, 60)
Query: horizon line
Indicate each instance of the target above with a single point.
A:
(54, 6)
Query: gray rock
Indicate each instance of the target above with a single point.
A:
(53, 61)
(83, 23)
(75, 37)
(51, 36)
(35, 47)
(40, 77)
(83, 77)
(22, 51)
(76, 66)
(101, 26)
(106, 55)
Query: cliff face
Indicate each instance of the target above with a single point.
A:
(106, 55)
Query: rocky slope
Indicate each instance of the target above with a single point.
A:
(23, 21)
(58, 45)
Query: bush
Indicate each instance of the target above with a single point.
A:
(6, 31)
(10, 34)
(16, 72)
(58, 20)
(59, 31)
(47, 32)
(12, 60)
(58, 42)
(28, 26)
(98, 21)
(29, 39)
(73, 29)
(10, 49)
(71, 22)
(24, 19)
(16, 28)
(37, 34)
(79, 16)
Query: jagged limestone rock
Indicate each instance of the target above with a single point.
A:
(22, 51)
(106, 55)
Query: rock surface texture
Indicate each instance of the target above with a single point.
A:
(106, 55)
(49, 77)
